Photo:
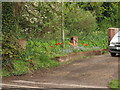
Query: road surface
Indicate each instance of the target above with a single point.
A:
(93, 72)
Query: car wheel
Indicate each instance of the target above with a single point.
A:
(113, 54)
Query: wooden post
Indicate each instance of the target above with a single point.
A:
(74, 40)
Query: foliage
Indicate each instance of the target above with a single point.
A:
(10, 50)
(114, 84)
(41, 24)
(104, 11)
(78, 21)
(20, 67)
(10, 47)
(7, 17)
(5, 73)
(41, 20)
(94, 39)
(35, 56)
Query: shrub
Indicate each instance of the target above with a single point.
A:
(79, 21)
(10, 50)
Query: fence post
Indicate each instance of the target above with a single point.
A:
(74, 40)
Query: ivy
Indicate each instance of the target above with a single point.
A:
(10, 47)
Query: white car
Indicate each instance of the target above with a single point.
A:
(114, 46)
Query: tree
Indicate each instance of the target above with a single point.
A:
(106, 12)
(41, 20)
(78, 20)
(10, 47)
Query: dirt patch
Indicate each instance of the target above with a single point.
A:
(77, 55)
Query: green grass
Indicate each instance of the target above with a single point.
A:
(115, 84)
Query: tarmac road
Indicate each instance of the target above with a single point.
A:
(93, 72)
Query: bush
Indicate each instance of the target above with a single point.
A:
(79, 21)
(10, 50)
(10, 46)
